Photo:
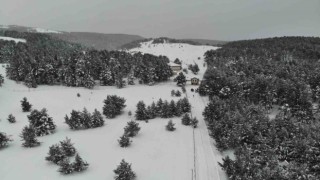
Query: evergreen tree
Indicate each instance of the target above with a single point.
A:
(124, 141)
(173, 93)
(178, 111)
(183, 89)
(172, 108)
(86, 119)
(67, 147)
(186, 120)
(56, 154)
(120, 83)
(30, 81)
(4, 140)
(185, 105)
(28, 135)
(65, 166)
(88, 81)
(131, 129)
(106, 78)
(152, 111)
(42, 123)
(79, 165)
(141, 112)
(124, 171)
(165, 111)
(75, 121)
(26, 106)
(96, 119)
(194, 122)
(159, 107)
(170, 126)
(113, 106)
(1, 80)
(180, 79)
(177, 61)
(131, 77)
(178, 93)
(11, 118)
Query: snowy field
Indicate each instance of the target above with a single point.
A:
(155, 154)
(16, 40)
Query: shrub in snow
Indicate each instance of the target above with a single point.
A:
(124, 141)
(194, 122)
(170, 126)
(177, 61)
(56, 154)
(194, 68)
(96, 119)
(131, 129)
(42, 123)
(186, 120)
(75, 121)
(11, 118)
(180, 79)
(67, 147)
(65, 166)
(124, 171)
(29, 137)
(113, 106)
(173, 93)
(1, 80)
(141, 112)
(183, 89)
(78, 94)
(178, 93)
(129, 113)
(185, 105)
(84, 119)
(79, 164)
(4, 140)
(26, 106)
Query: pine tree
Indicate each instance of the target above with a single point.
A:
(152, 111)
(88, 81)
(159, 107)
(172, 108)
(96, 119)
(120, 83)
(86, 119)
(56, 154)
(124, 171)
(26, 106)
(75, 121)
(131, 77)
(173, 93)
(67, 147)
(124, 141)
(183, 89)
(180, 79)
(170, 126)
(1, 80)
(106, 78)
(11, 118)
(42, 123)
(185, 105)
(30, 81)
(194, 122)
(178, 93)
(65, 166)
(141, 112)
(178, 111)
(165, 111)
(186, 120)
(4, 140)
(28, 135)
(113, 106)
(131, 129)
(79, 165)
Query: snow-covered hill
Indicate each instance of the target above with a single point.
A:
(155, 153)
(41, 30)
(12, 39)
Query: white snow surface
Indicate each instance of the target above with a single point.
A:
(41, 30)
(13, 39)
(155, 154)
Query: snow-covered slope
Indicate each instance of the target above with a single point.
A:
(12, 39)
(41, 30)
(188, 54)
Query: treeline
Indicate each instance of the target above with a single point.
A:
(44, 60)
(244, 80)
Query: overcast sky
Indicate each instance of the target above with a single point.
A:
(210, 19)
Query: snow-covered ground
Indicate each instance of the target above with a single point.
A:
(13, 39)
(155, 153)
(41, 30)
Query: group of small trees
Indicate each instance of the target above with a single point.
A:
(131, 130)
(176, 93)
(84, 119)
(124, 171)
(187, 120)
(4, 140)
(170, 126)
(113, 106)
(180, 79)
(162, 109)
(1, 80)
(11, 118)
(60, 153)
(26, 106)
(29, 137)
(42, 123)
(194, 68)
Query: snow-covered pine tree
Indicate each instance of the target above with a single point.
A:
(11, 118)
(86, 119)
(28, 135)
(120, 83)
(75, 120)
(178, 111)
(67, 147)
(96, 119)
(4, 140)
(178, 93)
(79, 164)
(194, 122)
(186, 120)
(170, 126)
(159, 107)
(151, 76)
(88, 81)
(180, 79)
(30, 81)
(165, 110)
(141, 112)
(124, 171)
(131, 129)
(113, 106)
(152, 111)
(65, 166)
(55, 154)
(26, 106)
(172, 108)
(106, 78)
(1, 80)
(41, 121)
(186, 106)
(124, 141)
(131, 77)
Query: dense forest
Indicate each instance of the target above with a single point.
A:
(46, 60)
(248, 80)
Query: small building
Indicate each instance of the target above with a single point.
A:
(175, 67)
(195, 81)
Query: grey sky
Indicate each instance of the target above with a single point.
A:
(211, 19)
